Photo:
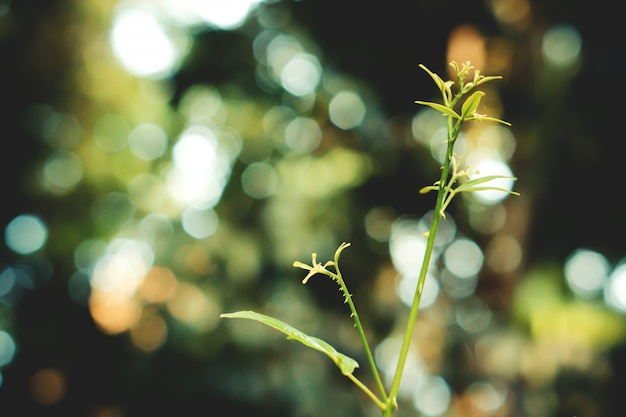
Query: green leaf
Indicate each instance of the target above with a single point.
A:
(467, 185)
(443, 109)
(480, 117)
(437, 79)
(481, 80)
(504, 190)
(473, 185)
(428, 188)
(444, 87)
(471, 104)
(345, 363)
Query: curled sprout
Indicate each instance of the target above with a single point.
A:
(318, 268)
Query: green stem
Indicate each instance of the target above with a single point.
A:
(389, 410)
(453, 133)
(367, 391)
(445, 193)
(359, 327)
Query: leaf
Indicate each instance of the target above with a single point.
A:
(480, 117)
(443, 109)
(482, 79)
(437, 79)
(428, 188)
(504, 190)
(345, 363)
(471, 104)
(471, 184)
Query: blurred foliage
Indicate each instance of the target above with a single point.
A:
(117, 313)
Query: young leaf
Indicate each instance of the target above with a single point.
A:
(482, 79)
(471, 185)
(428, 188)
(345, 363)
(480, 117)
(471, 104)
(443, 109)
(437, 79)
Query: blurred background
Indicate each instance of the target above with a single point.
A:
(167, 161)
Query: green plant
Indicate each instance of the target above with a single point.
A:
(452, 182)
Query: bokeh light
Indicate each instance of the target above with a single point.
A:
(113, 312)
(407, 246)
(215, 13)
(277, 52)
(150, 333)
(386, 355)
(586, 272)
(615, 289)
(159, 285)
(457, 287)
(202, 104)
(432, 396)
(193, 307)
(561, 46)
(62, 171)
(466, 43)
(486, 166)
(473, 315)
(144, 46)
(425, 123)
(487, 219)
(26, 234)
(439, 145)
(486, 397)
(515, 14)
(503, 254)
(147, 141)
(303, 135)
(499, 138)
(378, 223)
(7, 348)
(48, 386)
(463, 258)
(200, 170)
(196, 151)
(301, 74)
(259, 180)
(346, 110)
(7, 281)
(408, 284)
(123, 266)
(199, 224)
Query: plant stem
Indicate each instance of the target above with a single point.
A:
(367, 391)
(453, 133)
(359, 327)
